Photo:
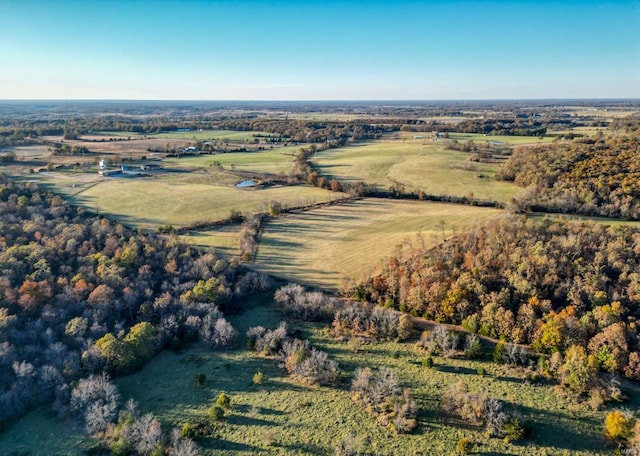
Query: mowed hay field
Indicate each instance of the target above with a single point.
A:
(418, 164)
(280, 416)
(272, 161)
(180, 199)
(322, 246)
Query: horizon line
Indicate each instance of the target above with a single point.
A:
(318, 100)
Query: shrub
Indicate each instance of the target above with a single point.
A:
(439, 341)
(215, 413)
(427, 362)
(472, 347)
(481, 371)
(224, 401)
(200, 379)
(187, 431)
(347, 446)
(464, 446)
(257, 378)
(381, 395)
(514, 430)
(267, 341)
(499, 353)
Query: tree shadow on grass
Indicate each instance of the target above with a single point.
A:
(246, 408)
(558, 430)
(454, 369)
(303, 448)
(227, 445)
(241, 420)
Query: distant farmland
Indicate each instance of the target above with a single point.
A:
(273, 161)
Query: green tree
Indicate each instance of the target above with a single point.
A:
(576, 372)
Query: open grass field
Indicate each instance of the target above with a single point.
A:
(176, 198)
(321, 246)
(418, 164)
(273, 161)
(223, 239)
(507, 140)
(280, 416)
(39, 433)
(27, 152)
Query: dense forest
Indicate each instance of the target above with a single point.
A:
(595, 176)
(551, 284)
(81, 294)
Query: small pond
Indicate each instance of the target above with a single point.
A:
(247, 183)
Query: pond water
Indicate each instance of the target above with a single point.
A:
(246, 183)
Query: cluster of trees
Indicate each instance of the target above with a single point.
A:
(381, 395)
(303, 168)
(294, 300)
(597, 176)
(79, 294)
(444, 342)
(304, 363)
(371, 321)
(337, 133)
(248, 236)
(479, 409)
(96, 403)
(66, 149)
(551, 284)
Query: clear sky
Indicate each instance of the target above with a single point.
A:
(313, 50)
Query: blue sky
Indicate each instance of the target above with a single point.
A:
(287, 50)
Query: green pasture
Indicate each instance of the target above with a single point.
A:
(27, 152)
(418, 165)
(178, 198)
(223, 239)
(39, 433)
(507, 140)
(283, 417)
(272, 161)
(322, 246)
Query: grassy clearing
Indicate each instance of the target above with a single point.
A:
(224, 239)
(508, 140)
(39, 433)
(321, 246)
(201, 135)
(27, 152)
(274, 161)
(178, 199)
(282, 417)
(418, 164)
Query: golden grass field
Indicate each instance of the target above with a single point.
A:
(418, 164)
(321, 246)
(176, 198)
